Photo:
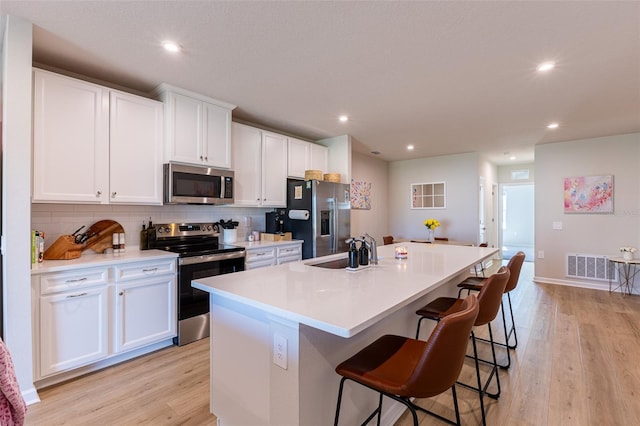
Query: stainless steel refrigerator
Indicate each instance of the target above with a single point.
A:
(320, 214)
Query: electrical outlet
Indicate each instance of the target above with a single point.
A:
(540, 254)
(280, 351)
(556, 225)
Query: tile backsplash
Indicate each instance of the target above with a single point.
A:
(62, 219)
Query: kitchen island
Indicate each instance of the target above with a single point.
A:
(278, 333)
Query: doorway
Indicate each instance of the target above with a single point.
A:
(517, 220)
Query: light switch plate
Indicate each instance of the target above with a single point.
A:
(557, 225)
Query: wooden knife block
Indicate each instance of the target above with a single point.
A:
(64, 248)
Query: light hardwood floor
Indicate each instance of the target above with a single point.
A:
(577, 363)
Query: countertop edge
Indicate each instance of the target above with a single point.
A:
(97, 260)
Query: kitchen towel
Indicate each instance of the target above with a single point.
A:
(12, 405)
(299, 214)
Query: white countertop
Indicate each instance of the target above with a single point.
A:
(97, 259)
(341, 302)
(263, 243)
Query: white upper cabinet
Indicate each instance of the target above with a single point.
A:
(260, 166)
(274, 170)
(92, 144)
(135, 149)
(305, 156)
(197, 128)
(70, 140)
(318, 158)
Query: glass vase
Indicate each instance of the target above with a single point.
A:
(430, 235)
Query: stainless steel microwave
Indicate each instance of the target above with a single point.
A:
(197, 185)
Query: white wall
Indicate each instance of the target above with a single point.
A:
(600, 234)
(375, 222)
(504, 173)
(459, 219)
(16, 181)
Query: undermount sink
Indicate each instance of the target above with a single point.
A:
(333, 264)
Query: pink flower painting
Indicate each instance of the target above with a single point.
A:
(588, 194)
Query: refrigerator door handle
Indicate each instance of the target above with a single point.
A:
(334, 225)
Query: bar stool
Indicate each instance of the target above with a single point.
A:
(476, 283)
(402, 368)
(489, 300)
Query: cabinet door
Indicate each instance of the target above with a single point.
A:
(274, 170)
(318, 157)
(145, 312)
(297, 155)
(70, 140)
(217, 136)
(247, 142)
(184, 129)
(73, 329)
(135, 149)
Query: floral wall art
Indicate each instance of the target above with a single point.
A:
(360, 194)
(588, 194)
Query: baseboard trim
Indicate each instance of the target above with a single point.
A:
(581, 284)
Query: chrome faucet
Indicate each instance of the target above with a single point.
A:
(373, 248)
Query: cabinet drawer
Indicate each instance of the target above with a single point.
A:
(260, 263)
(73, 280)
(289, 251)
(288, 259)
(259, 255)
(136, 271)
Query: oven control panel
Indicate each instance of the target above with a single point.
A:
(168, 230)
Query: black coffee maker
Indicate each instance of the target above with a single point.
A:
(276, 221)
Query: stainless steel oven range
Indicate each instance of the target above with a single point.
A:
(200, 256)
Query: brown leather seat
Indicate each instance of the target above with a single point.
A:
(402, 368)
(489, 300)
(441, 238)
(475, 283)
(387, 240)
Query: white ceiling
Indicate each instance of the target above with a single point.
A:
(448, 77)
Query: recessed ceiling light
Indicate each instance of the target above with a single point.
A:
(552, 126)
(343, 118)
(171, 46)
(410, 147)
(513, 157)
(546, 66)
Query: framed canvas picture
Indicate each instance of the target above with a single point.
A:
(588, 194)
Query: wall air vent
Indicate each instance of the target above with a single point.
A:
(591, 266)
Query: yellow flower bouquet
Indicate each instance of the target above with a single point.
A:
(431, 224)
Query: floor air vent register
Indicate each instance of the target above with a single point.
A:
(591, 266)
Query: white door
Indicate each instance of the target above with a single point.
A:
(217, 136)
(145, 312)
(481, 214)
(185, 129)
(135, 149)
(247, 166)
(70, 140)
(274, 170)
(73, 329)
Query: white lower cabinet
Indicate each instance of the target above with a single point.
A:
(261, 257)
(89, 314)
(139, 322)
(74, 327)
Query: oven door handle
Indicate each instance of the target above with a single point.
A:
(211, 258)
